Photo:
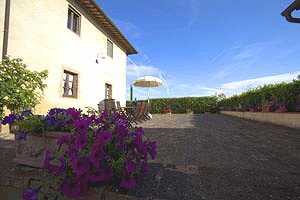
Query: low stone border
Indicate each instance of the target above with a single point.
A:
(285, 119)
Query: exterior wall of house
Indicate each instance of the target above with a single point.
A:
(39, 35)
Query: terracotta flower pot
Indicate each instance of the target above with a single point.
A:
(31, 150)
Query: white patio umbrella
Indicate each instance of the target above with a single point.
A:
(148, 81)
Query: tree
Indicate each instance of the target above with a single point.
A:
(20, 88)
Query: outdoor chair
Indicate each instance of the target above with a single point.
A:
(107, 105)
(119, 108)
(133, 113)
(141, 113)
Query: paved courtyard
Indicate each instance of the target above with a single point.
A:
(209, 156)
(214, 156)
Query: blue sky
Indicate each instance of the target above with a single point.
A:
(203, 47)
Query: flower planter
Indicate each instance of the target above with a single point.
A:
(31, 151)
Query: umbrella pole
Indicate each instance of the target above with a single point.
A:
(148, 94)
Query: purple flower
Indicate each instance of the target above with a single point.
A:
(72, 151)
(130, 166)
(128, 182)
(21, 135)
(81, 141)
(58, 170)
(152, 149)
(97, 175)
(85, 178)
(104, 136)
(10, 119)
(108, 173)
(74, 113)
(64, 139)
(30, 194)
(144, 166)
(82, 125)
(71, 187)
(140, 130)
(26, 112)
(80, 165)
(47, 160)
(96, 156)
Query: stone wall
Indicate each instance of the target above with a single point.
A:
(285, 119)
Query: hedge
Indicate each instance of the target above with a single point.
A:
(282, 93)
(180, 105)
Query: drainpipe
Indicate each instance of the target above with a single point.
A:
(6, 28)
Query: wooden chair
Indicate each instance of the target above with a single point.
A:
(107, 105)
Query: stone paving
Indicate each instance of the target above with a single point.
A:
(211, 156)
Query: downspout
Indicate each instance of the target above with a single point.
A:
(6, 29)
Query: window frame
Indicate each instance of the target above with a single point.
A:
(73, 13)
(108, 91)
(66, 82)
(110, 51)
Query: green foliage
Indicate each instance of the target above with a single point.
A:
(32, 124)
(287, 93)
(20, 88)
(181, 105)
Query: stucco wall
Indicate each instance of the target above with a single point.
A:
(285, 119)
(39, 35)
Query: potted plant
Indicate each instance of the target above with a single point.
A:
(34, 134)
(168, 111)
(93, 151)
(189, 111)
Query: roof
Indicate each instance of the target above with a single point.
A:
(108, 26)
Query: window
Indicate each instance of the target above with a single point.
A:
(73, 21)
(110, 48)
(70, 83)
(108, 91)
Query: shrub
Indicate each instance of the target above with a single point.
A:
(283, 93)
(20, 88)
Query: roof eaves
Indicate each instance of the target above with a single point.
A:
(108, 25)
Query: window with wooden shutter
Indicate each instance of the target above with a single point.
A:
(73, 21)
(70, 84)
(108, 91)
(110, 49)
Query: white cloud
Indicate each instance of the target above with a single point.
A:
(141, 70)
(241, 86)
(249, 51)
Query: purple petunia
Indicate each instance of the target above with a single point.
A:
(104, 136)
(152, 149)
(144, 166)
(21, 135)
(81, 141)
(97, 155)
(80, 165)
(47, 160)
(82, 125)
(128, 181)
(30, 194)
(71, 187)
(26, 112)
(64, 139)
(130, 166)
(108, 173)
(10, 119)
(97, 175)
(74, 113)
